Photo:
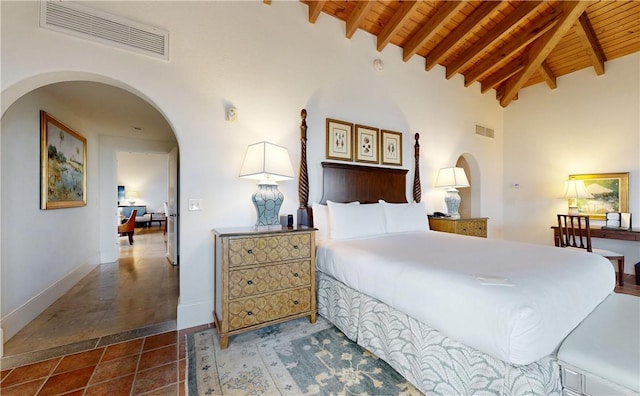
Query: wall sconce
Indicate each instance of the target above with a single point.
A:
(574, 190)
(269, 164)
(452, 178)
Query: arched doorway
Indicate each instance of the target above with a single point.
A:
(470, 196)
(52, 250)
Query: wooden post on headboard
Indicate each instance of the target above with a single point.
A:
(304, 212)
(417, 190)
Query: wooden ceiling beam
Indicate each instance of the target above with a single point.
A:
(395, 24)
(503, 74)
(315, 8)
(514, 45)
(508, 23)
(547, 74)
(478, 15)
(543, 47)
(587, 36)
(267, 2)
(357, 16)
(442, 16)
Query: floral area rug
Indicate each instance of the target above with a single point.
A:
(291, 358)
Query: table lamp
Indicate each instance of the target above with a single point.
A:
(574, 190)
(451, 179)
(268, 163)
(131, 197)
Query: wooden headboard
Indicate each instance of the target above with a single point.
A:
(343, 182)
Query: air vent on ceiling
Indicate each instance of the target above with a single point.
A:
(484, 131)
(91, 24)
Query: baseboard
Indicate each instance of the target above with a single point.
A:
(14, 321)
(195, 314)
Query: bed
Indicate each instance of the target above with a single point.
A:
(455, 315)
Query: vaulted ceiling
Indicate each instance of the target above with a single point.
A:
(503, 45)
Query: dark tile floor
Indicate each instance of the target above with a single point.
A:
(114, 333)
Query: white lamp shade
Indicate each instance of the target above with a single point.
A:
(451, 178)
(132, 195)
(576, 189)
(266, 161)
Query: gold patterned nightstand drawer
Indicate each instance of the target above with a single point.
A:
(473, 228)
(268, 278)
(267, 249)
(252, 311)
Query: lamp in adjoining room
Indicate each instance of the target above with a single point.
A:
(451, 179)
(268, 163)
(131, 197)
(574, 190)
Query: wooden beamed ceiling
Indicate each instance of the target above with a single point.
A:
(503, 45)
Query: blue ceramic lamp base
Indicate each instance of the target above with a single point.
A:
(268, 200)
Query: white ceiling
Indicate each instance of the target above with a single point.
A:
(116, 111)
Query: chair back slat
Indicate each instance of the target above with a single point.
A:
(574, 231)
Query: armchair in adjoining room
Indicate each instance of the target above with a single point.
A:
(128, 227)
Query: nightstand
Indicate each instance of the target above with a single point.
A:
(262, 278)
(476, 226)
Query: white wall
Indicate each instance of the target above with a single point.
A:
(589, 124)
(147, 174)
(269, 62)
(44, 252)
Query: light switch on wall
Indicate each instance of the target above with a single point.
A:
(195, 204)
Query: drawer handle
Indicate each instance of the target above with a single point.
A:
(250, 251)
(249, 282)
(295, 246)
(296, 275)
(296, 302)
(249, 313)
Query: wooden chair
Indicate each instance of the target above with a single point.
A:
(575, 233)
(129, 226)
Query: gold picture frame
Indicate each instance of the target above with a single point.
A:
(63, 165)
(366, 147)
(339, 140)
(610, 194)
(391, 147)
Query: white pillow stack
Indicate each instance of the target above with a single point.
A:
(352, 220)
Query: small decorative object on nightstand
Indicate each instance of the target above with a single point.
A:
(472, 226)
(262, 278)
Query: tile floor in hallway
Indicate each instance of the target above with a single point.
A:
(118, 322)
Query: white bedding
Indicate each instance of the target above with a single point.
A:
(511, 300)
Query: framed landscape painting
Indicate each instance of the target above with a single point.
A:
(610, 194)
(63, 165)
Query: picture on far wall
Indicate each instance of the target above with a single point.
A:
(63, 165)
(610, 194)
(366, 144)
(120, 194)
(391, 148)
(339, 135)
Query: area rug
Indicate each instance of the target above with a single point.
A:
(291, 358)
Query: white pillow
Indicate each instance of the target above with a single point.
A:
(321, 220)
(404, 217)
(353, 221)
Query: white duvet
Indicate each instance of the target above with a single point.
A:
(511, 300)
